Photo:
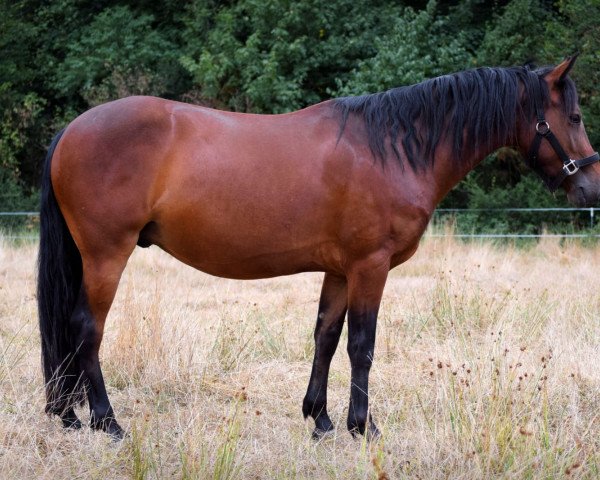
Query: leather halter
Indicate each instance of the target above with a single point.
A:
(542, 130)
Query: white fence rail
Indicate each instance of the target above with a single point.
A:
(591, 212)
(19, 214)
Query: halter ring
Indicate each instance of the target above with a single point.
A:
(542, 127)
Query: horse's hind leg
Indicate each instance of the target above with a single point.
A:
(332, 310)
(100, 280)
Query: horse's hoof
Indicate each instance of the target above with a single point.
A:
(319, 434)
(71, 423)
(109, 426)
(373, 434)
(70, 420)
(113, 429)
(117, 434)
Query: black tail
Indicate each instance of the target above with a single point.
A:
(59, 281)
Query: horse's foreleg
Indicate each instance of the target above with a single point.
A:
(332, 310)
(100, 280)
(365, 287)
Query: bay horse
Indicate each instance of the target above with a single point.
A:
(345, 187)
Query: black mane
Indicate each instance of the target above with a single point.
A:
(484, 102)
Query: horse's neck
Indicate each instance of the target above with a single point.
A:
(447, 172)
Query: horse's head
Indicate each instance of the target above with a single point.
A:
(559, 149)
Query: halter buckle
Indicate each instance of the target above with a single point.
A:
(542, 127)
(570, 168)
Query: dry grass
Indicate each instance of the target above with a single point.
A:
(487, 366)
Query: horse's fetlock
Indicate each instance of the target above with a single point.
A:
(313, 407)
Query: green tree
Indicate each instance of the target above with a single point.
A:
(116, 55)
(20, 108)
(59, 58)
(577, 30)
(280, 55)
(420, 45)
(515, 35)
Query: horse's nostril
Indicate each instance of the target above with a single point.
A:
(581, 197)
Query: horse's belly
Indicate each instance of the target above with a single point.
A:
(250, 241)
(229, 259)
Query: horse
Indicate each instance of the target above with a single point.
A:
(345, 187)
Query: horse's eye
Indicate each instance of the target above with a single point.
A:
(575, 118)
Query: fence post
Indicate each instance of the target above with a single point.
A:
(591, 217)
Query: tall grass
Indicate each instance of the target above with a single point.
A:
(486, 366)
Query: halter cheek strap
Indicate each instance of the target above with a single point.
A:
(542, 130)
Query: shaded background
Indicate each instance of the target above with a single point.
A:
(59, 58)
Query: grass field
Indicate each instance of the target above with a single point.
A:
(487, 366)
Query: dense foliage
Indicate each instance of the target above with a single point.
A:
(59, 58)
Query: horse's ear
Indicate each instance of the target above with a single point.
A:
(558, 75)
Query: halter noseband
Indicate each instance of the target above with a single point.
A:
(542, 130)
